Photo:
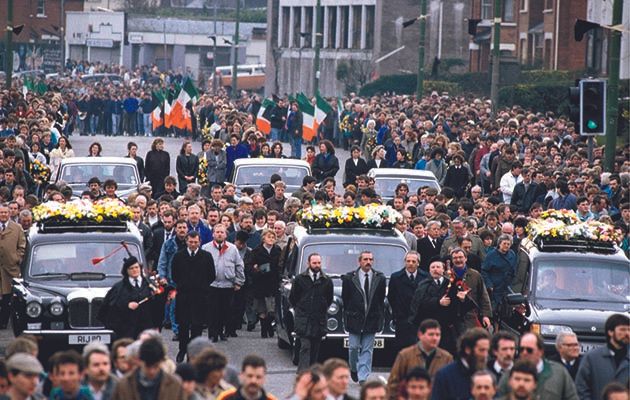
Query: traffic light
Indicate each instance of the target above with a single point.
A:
(574, 104)
(592, 107)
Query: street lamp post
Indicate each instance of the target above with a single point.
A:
(8, 53)
(235, 47)
(421, 45)
(496, 55)
(318, 35)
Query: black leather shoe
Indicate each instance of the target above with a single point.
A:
(175, 338)
(354, 376)
(232, 334)
(215, 339)
(251, 327)
(223, 338)
(180, 356)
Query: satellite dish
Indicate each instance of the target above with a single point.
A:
(16, 61)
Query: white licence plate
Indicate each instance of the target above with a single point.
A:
(379, 343)
(586, 347)
(85, 339)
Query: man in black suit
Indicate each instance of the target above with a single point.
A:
(193, 272)
(430, 245)
(402, 285)
(161, 233)
(355, 166)
(503, 349)
(311, 295)
(145, 231)
(524, 193)
(337, 373)
(363, 295)
(568, 352)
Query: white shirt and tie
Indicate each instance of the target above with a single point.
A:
(192, 253)
(135, 282)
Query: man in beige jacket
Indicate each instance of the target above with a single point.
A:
(12, 247)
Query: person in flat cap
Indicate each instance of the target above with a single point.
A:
(123, 310)
(24, 371)
(431, 301)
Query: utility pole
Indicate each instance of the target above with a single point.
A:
(318, 36)
(8, 51)
(61, 37)
(613, 88)
(423, 25)
(496, 55)
(235, 47)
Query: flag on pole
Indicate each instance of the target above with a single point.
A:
(322, 108)
(156, 114)
(262, 119)
(179, 115)
(308, 117)
(339, 110)
(167, 114)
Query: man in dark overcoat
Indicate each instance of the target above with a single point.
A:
(311, 295)
(193, 272)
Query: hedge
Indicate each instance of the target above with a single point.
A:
(537, 97)
(406, 84)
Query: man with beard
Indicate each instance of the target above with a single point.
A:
(523, 382)
(606, 364)
(252, 377)
(453, 381)
(246, 225)
(554, 381)
(311, 295)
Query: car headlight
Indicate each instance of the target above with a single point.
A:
(56, 309)
(550, 329)
(332, 324)
(33, 309)
(333, 309)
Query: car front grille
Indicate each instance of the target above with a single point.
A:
(82, 313)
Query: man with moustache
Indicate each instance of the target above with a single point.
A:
(483, 385)
(523, 381)
(453, 382)
(402, 285)
(431, 301)
(311, 295)
(503, 348)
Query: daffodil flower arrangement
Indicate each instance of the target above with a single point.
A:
(369, 216)
(565, 225)
(82, 211)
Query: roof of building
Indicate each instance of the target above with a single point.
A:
(181, 26)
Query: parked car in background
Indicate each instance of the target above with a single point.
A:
(386, 180)
(254, 172)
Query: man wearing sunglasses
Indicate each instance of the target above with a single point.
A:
(363, 295)
(554, 381)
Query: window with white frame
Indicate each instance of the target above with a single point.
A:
(486, 9)
(41, 7)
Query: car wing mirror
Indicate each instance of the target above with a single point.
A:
(515, 299)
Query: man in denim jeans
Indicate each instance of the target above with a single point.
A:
(363, 295)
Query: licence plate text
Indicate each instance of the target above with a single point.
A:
(85, 339)
(586, 347)
(379, 343)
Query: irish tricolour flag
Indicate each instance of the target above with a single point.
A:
(322, 108)
(262, 119)
(308, 117)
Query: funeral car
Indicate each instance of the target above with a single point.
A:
(339, 249)
(77, 171)
(567, 286)
(255, 172)
(387, 179)
(66, 272)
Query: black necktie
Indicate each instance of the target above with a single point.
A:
(411, 277)
(432, 242)
(437, 282)
(168, 236)
(192, 253)
(314, 276)
(366, 284)
(137, 283)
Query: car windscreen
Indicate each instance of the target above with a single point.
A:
(386, 187)
(582, 279)
(81, 173)
(256, 175)
(340, 258)
(78, 257)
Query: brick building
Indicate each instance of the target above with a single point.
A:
(539, 34)
(38, 46)
(357, 33)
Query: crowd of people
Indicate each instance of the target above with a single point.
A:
(220, 253)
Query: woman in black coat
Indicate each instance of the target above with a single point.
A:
(121, 310)
(355, 166)
(187, 166)
(262, 264)
(326, 163)
(157, 165)
(457, 176)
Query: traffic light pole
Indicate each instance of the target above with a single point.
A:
(421, 45)
(8, 50)
(496, 55)
(613, 88)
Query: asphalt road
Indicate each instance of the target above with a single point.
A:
(281, 372)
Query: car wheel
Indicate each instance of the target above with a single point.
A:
(282, 344)
(295, 352)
